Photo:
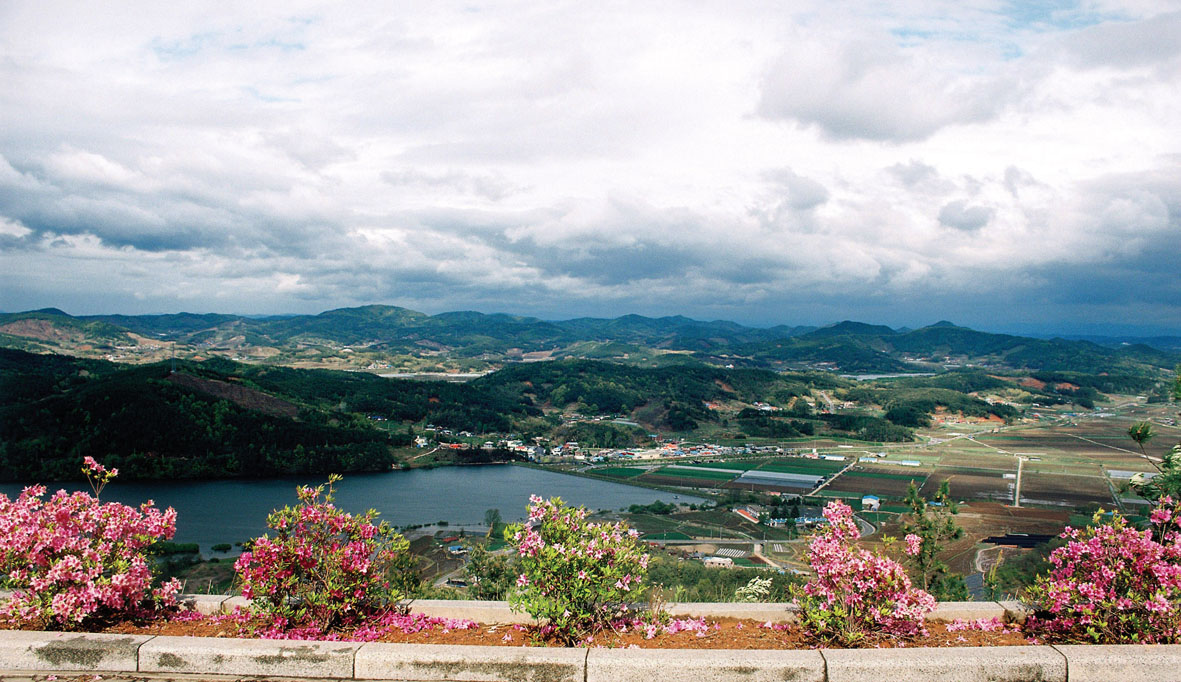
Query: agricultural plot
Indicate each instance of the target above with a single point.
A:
(801, 465)
(1064, 490)
(621, 472)
(681, 481)
(997, 462)
(970, 484)
(872, 483)
(689, 477)
(736, 466)
(776, 481)
(697, 472)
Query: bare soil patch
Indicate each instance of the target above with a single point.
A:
(720, 633)
(239, 395)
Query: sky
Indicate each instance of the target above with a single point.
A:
(1008, 165)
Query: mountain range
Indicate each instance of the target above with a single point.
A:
(380, 337)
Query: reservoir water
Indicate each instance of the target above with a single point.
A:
(212, 512)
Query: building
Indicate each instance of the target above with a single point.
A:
(718, 562)
(871, 503)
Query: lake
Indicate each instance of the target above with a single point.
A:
(212, 512)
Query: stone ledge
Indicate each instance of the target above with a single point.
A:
(69, 651)
(499, 611)
(430, 662)
(224, 656)
(1124, 662)
(951, 664)
(704, 665)
(40, 653)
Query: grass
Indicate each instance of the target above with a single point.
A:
(688, 472)
(804, 466)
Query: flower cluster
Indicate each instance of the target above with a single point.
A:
(72, 559)
(325, 568)
(856, 593)
(575, 575)
(979, 625)
(1113, 583)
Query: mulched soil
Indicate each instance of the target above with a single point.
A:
(719, 633)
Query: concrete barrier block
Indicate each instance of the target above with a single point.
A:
(479, 611)
(207, 604)
(953, 664)
(703, 665)
(1126, 663)
(967, 610)
(215, 656)
(429, 662)
(776, 613)
(69, 651)
(231, 603)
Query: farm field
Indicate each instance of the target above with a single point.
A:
(621, 472)
(800, 465)
(1071, 462)
(1065, 490)
(876, 482)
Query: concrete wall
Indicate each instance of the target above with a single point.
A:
(29, 654)
(119, 657)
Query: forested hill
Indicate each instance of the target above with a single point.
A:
(378, 336)
(152, 424)
(219, 418)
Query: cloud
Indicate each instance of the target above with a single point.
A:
(802, 193)
(1125, 45)
(753, 162)
(961, 216)
(871, 88)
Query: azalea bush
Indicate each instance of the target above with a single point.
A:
(855, 593)
(576, 576)
(324, 568)
(1113, 583)
(72, 560)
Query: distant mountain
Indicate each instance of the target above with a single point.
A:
(850, 328)
(1170, 344)
(378, 335)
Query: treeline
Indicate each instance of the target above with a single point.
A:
(868, 427)
(691, 581)
(677, 396)
(460, 406)
(913, 407)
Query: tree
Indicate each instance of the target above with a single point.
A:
(933, 526)
(491, 519)
(489, 575)
(1141, 432)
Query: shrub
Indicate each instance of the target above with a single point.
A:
(754, 591)
(73, 560)
(856, 594)
(325, 568)
(1113, 583)
(575, 575)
